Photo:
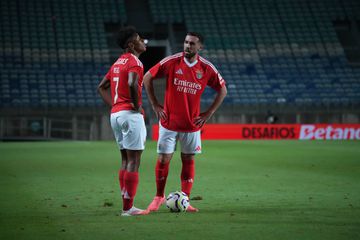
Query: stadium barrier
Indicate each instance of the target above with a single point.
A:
(276, 131)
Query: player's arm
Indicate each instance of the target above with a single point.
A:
(149, 87)
(205, 116)
(133, 79)
(104, 91)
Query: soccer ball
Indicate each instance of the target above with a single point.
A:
(177, 201)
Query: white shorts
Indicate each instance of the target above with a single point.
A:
(190, 141)
(129, 129)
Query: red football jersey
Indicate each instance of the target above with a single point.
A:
(118, 77)
(185, 84)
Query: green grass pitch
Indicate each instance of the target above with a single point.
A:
(249, 189)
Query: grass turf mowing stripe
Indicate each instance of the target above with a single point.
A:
(250, 190)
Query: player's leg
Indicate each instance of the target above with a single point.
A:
(131, 177)
(165, 148)
(116, 127)
(161, 172)
(187, 172)
(122, 170)
(134, 136)
(131, 181)
(190, 145)
(187, 176)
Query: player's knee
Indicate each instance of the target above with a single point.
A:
(186, 156)
(164, 158)
(132, 166)
(123, 165)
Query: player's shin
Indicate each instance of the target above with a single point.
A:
(121, 181)
(187, 175)
(161, 173)
(131, 180)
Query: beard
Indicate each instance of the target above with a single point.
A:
(189, 54)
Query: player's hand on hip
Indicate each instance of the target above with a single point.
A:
(159, 111)
(202, 119)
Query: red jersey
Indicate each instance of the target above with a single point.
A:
(118, 77)
(185, 84)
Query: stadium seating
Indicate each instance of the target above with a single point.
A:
(53, 53)
(47, 46)
(277, 51)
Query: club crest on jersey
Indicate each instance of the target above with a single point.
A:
(199, 74)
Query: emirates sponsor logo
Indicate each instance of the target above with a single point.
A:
(329, 132)
(186, 86)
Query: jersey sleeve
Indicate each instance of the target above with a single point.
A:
(157, 71)
(161, 69)
(216, 81)
(135, 65)
(136, 69)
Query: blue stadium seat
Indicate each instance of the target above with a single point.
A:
(268, 51)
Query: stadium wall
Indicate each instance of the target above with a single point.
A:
(276, 132)
(93, 123)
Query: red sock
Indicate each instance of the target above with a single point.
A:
(121, 180)
(131, 180)
(187, 176)
(161, 173)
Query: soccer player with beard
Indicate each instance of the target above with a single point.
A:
(187, 74)
(121, 89)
